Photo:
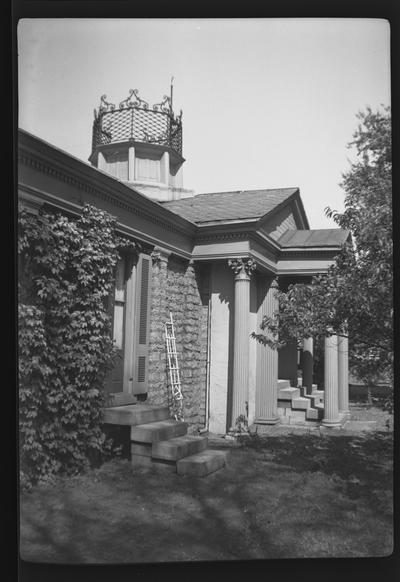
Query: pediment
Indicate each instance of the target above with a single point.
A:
(290, 215)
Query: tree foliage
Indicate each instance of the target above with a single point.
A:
(66, 273)
(355, 297)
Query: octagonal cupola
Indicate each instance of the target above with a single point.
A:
(140, 145)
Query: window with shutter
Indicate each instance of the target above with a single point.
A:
(143, 293)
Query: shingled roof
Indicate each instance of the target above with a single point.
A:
(223, 206)
(327, 237)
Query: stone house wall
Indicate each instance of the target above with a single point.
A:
(178, 287)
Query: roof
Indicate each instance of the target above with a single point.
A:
(327, 237)
(222, 206)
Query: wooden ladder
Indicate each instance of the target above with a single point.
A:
(173, 369)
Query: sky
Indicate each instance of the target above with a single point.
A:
(267, 103)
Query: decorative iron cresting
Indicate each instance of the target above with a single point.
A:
(135, 120)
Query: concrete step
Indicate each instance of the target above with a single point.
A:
(283, 384)
(318, 395)
(288, 393)
(300, 403)
(153, 432)
(314, 414)
(178, 447)
(201, 464)
(313, 399)
(134, 414)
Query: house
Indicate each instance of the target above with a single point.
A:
(211, 260)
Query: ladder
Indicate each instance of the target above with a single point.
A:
(173, 369)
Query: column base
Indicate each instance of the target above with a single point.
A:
(345, 414)
(331, 423)
(272, 420)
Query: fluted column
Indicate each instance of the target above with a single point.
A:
(307, 364)
(331, 398)
(343, 373)
(240, 385)
(267, 361)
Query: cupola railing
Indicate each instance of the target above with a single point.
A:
(135, 120)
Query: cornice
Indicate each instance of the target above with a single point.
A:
(309, 252)
(299, 271)
(117, 194)
(29, 194)
(221, 237)
(267, 241)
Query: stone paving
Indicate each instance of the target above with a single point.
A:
(359, 422)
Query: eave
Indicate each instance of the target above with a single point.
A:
(78, 183)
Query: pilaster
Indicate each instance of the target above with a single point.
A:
(267, 360)
(131, 164)
(165, 168)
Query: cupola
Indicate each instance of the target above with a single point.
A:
(141, 145)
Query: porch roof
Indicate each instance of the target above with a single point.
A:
(225, 206)
(327, 237)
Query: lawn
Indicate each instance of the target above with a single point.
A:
(289, 495)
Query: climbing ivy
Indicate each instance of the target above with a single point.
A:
(66, 273)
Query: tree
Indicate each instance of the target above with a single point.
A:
(355, 297)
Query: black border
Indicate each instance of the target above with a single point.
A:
(324, 570)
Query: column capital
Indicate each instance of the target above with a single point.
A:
(159, 254)
(242, 267)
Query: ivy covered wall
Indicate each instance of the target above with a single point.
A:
(66, 272)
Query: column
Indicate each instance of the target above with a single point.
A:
(331, 399)
(240, 385)
(131, 164)
(267, 360)
(343, 373)
(307, 364)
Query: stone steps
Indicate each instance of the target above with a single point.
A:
(283, 384)
(179, 447)
(135, 414)
(288, 393)
(161, 442)
(301, 403)
(152, 432)
(201, 464)
(295, 406)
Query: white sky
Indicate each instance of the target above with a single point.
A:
(267, 103)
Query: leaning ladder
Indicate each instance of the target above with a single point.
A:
(173, 368)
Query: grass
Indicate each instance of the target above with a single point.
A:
(286, 496)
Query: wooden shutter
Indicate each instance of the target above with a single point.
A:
(143, 294)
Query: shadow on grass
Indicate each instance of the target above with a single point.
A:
(363, 464)
(144, 517)
(249, 510)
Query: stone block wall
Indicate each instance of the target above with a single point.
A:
(178, 287)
